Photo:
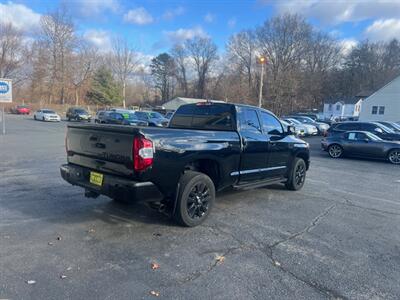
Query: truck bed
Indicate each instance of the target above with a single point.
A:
(108, 149)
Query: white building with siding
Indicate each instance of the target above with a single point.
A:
(384, 104)
(347, 107)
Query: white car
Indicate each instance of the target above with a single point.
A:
(298, 131)
(307, 128)
(46, 115)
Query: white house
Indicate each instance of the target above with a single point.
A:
(384, 104)
(178, 101)
(345, 107)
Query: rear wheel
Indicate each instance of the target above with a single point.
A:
(335, 151)
(195, 199)
(297, 175)
(394, 156)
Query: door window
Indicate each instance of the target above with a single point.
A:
(249, 120)
(271, 125)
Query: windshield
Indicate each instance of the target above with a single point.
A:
(391, 126)
(373, 137)
(295, 121)
(81, 111)
(156, 115)
(386, 129)
(46, 111)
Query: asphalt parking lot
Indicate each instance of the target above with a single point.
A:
(339, 237)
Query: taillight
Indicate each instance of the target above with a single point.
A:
(142, 153)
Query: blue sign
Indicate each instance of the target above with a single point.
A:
(4, 87)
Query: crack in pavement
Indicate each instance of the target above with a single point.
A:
(306, 229)
(268, 251)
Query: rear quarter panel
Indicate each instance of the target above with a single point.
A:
(177, 148)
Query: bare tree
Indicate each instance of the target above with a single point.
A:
(179, 54)
(241, 50)
(124, 61)
(59, 35)
(11, 51)
(83, 64)
(283, 40)
(203, 53)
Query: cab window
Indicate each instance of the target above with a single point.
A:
(249, 120)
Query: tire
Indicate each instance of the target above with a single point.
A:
(195, 199)
(394, 156)
(43, 119)
(297, 175)
(335, 151)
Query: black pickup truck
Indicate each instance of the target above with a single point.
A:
(205, 148)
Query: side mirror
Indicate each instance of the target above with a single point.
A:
(291, 130)
(378, 130)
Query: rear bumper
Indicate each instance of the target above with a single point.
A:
(113, 186)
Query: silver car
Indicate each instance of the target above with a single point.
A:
(307, 128)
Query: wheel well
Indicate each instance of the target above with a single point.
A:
(207, 166)
(305, 157)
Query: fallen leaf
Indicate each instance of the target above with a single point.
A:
(277, 263)
(31, 282)
(154, 266)
(91, 230)
(59, 238)
(154, 293)
(157, 234)
(69, 268)
(63, 276)
(220, 258)
(50, 243)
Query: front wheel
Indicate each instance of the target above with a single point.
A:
(297, 175)
(394, 156)
(195, 199)
(335, 151)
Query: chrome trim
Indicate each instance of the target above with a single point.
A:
(236, 173)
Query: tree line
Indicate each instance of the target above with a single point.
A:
(305, 66)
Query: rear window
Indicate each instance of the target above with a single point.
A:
(206, 116)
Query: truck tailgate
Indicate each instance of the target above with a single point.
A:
(106, 149)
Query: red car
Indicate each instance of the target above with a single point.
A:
(21, 110)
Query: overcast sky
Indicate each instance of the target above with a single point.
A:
(154, 25)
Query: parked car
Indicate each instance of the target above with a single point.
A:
(46, 115)
(100, 116)
(299, 131)
(127, 118)
(391, 125)
(322, 127)
(361, 144)
(206, 147)
(78, 114)
(21, 110)
(153, 118)
(307, 128)
(378, 129)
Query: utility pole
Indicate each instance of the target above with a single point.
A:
(262, 61)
